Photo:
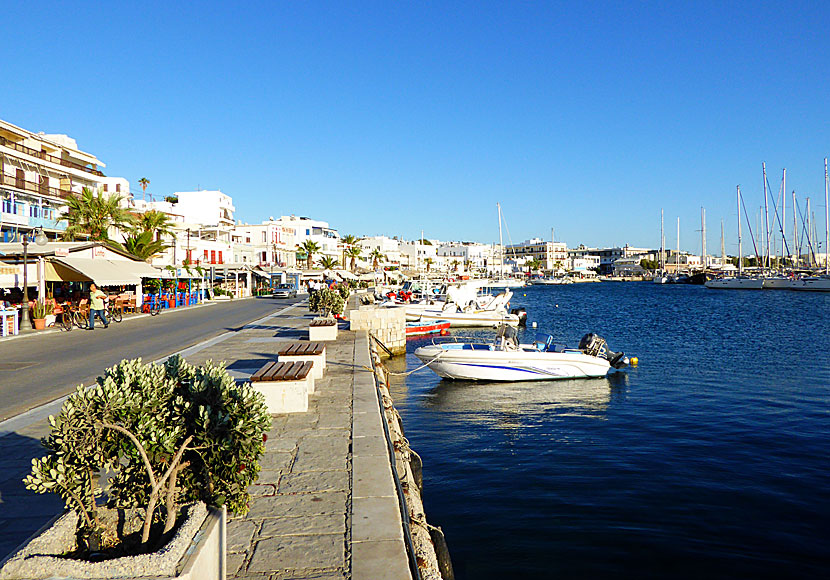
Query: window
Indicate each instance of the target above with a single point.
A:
(118, 188)
(220, 257)
(34, 211)
(206, 256)
(247, 240)
(106, 188)
(7, 205)
(264, 237)
(213, 256)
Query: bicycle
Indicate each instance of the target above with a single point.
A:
(115, 311)
(153, 308)
(72, 316)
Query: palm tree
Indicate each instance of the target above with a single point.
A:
(156, 222)
(328, 263)
(141, 245)
(533, 264)
(309, 248)
(428, 262)
(454, 265)
(348, 241)
(376, 256)
(354, 253)
(144, 182)
(91, 215)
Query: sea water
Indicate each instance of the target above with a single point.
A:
(711, 459)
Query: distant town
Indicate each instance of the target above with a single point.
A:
(42, 172)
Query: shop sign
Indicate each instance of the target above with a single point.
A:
(99, 252)
(61, 252)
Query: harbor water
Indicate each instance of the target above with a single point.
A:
(711, 459)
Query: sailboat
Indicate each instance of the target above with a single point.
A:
(820, 283)
(502, 282)
(660, 277)
(739, 282)
(776, 280)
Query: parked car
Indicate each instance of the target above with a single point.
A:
(284, 291)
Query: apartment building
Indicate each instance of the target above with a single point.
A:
(271, 243)
(38, 172)
(468, 256)
(552, 255)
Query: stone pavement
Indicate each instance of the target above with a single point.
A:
(324, 506)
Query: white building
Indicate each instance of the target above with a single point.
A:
(38, 172)
(303, 229)
(552, 255)
(271, 243)
(389, 247)
(468, 257)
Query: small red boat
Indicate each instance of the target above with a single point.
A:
(427, 327)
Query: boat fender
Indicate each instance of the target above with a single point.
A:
(442, 552)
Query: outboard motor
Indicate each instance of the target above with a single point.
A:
(595, 345)
(522, 314)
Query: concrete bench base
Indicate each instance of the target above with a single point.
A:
(319, 361)
(286, 396)
(322, 330)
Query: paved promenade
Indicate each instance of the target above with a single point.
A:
(324, 505)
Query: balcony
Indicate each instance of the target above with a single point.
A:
(47, 157)
(32, 187)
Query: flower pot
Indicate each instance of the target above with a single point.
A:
(40, 323)
(197, 550)
(171, 303)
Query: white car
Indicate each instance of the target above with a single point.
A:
(284, 291)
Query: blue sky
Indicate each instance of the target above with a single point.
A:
(393, 117)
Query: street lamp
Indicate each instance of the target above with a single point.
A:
(40, 239)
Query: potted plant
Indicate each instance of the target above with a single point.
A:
(40, 310)
(327, 301)
(173, 437)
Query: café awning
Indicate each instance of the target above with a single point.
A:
(99, 270)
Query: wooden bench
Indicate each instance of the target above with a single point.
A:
(286, 385)
(322, 329)
(305, 351)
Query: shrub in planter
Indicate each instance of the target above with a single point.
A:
(170, 434)
(326, 301)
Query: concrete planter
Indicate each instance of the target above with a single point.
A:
(196, 551)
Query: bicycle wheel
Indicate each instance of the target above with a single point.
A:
(116, 315)
(81, 321)
(155, 309)
(66, 320)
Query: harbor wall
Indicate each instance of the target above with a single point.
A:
(388, 325)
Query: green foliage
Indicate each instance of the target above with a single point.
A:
(353, 254)
(152, 285)
(328, 263)
(170, 434)
(326, 301)
(91, 215)
(649, 264)
(309, 248)
(41, 309)
(142, 246)
(344, 289)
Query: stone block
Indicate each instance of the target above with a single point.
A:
(286, 396)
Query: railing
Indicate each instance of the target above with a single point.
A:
(31, 186)
(47, 157)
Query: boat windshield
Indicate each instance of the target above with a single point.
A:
(544, 342)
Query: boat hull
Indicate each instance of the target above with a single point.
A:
(424, 328)
(458, 362)
(811, 285)
(482, 319)
(736, 284)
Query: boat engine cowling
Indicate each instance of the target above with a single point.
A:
(522, 314)
(594, 345)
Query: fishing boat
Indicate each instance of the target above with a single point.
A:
(507, 360)
(427, 327)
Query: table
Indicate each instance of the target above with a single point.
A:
(9, 319)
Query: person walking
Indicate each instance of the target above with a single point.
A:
(96, 306)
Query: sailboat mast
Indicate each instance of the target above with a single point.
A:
(783, 217)
(662, 245)
(703, 237)
(740, 246)
(766, 216)
(501, 245)
(809, 237)
(722, 247)
(677, 257)
(795, 233)
(826, 222)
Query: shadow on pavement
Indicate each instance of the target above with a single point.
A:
(22, 512)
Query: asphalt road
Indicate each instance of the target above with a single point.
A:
(37, 369)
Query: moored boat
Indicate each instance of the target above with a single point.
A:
(507, 360)
(427, 327)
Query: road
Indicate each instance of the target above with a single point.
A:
(37, 369)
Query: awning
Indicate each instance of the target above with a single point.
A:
(99, 270)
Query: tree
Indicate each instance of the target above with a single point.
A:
(144, 182)
(328, 263)
(532, 265)
(310, 248)
(428, 262)
(141, 245)
(455, 264)
(354, 253)
(348, 241)
(91, 215)
(155, 222)
(376, 256)
(649, 264)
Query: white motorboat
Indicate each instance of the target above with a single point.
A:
(736, 283)
(551, 281)
(506, 360)
(465, 307)
(812, 284)
(504, 283)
